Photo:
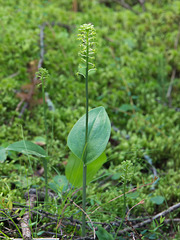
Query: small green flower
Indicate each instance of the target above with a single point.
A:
(87, 36)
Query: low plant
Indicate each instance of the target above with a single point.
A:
(43, 75)
(89, 136)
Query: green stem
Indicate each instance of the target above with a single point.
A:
(46, 132)
(124, 212)
(125, 182)
(84, 201)
(86, 139)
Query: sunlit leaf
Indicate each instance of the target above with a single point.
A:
(27, 147)
(74, 169)
(99, 128)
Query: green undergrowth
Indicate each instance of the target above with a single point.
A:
(135, 60)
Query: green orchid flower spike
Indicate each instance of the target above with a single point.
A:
(87, 36)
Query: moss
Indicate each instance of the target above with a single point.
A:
(135, 60)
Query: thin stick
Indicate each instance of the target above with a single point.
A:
(132, 190)
(170, 209)
(84, 214)
(130, 224)
(26, 230)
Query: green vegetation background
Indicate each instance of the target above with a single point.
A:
(136, 57)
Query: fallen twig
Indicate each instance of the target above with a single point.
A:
(132, 190)
(26, 230)
(138, 225)
(86, 216)
(139, 236)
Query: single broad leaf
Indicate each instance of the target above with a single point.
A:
(99, 129)
(102, 234)
(74, 169)
(2, 154)
(27, 147)
(157, 200)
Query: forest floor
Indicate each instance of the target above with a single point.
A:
(136, 193)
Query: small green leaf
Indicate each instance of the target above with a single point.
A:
(74, 169)
(162, 219)
(102, 234)
(22, 212)
(2, 154)
(99, 129)
(40, 233)
(157, 200)
(27, 147)
(59, 183)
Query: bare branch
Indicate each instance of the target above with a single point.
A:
(26, 230)
(141, 224)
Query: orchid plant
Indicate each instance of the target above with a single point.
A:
(89, 136)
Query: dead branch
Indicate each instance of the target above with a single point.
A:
(141, 224)
(132, 190)
(53, 220)
(128, 223)
(71, 201)
(26, 230)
